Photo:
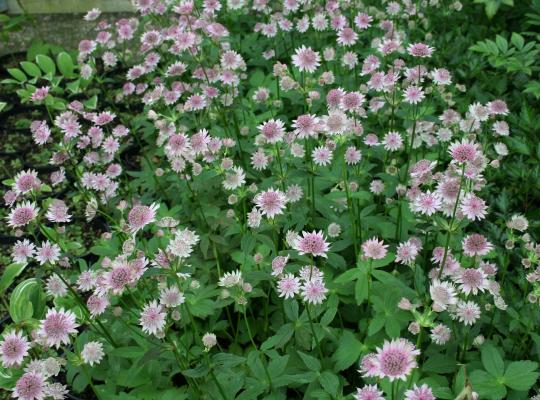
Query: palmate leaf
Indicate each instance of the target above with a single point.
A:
(348, 351)
(521, 375)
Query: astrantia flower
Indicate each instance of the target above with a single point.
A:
(288, 286)
(92, 353)
(392, 141)
(473, 207)
(314, 291)
(47, 252)
(420, 50)
(22, 214)
(25, 181)
(443, 294)
(419, 393)
(183, 242)
(152, 318)
(140, 216)
(396, 359)
(230, 279)
(171, 297)
(306, 125)
(58, 212)
(272, 130)
(467, 312)
(406, 252)
(352, 155)
(413, 94)
(22, 251)
(375, 249)
(472, 280)
(30, 386)
(271, 202)
(427, 203)
(234, 178)
(305, 59)
(312, 243)
(321, 156)
(476, 245)
(463, 151)
(440, 334)
(13, 348)
(369, 392)
(57, 326)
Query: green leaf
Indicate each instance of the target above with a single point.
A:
(291, 309)
(521, 375)
(440, 364)
(487, 385)
(348, 351)
(280, 339)
(27, 301)
(492, 360)
(46, 64)
(227, 360)
(9, 275)
(277, 366)
(311, 362)
(17, 74)
(517, 40)
(330, 382)
(65, 64)
(31, 69)
(348, 276)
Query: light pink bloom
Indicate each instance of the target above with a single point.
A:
(13, 349)
(476, 245)
(305, 59)
(288, 286)
(140, 216)
(419, 393)
(312, 243)
(152, 318)
(22, 214)
(271, 202)
(314, 291)
(30, 386)
(57, 326)
(396, 359)
(369, 392)
(375, 249)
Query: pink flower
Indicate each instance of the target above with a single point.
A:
(47, 252)
(272, 130)
(321, 156)
(26, 181)
(396, 359)
(473, 207)
(472, 280)
(30, 386)
(22, 214)
(413, 94)
(392, 141)
(476, 245)
(440, 334)
(463, 151)
(467, 312)
(314, 291)
(419, 393)
(140, 216)
(352, 155)
(152, 318)
(58, 212)
(305, 59)
(375, 249)
(13, 349)
(271, 202)
(57, 326)
(420, 50)
(427, 203)
(306, 125)
(406, 252)
(40, 93)
(288, 286)
(312, 243)
(22, 251)
(369, 392)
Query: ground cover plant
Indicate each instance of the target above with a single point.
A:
(267, 199)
